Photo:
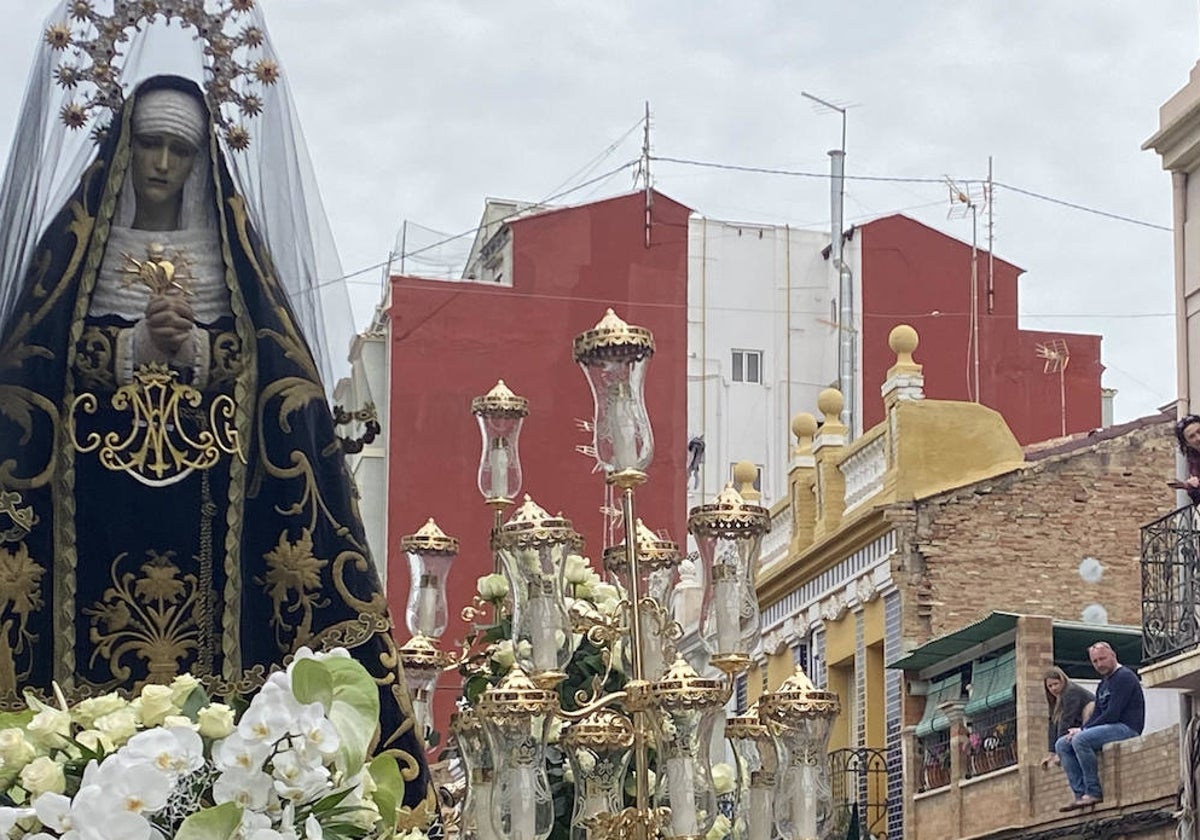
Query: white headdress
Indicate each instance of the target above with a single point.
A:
(240, 76)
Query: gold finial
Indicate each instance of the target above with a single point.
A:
(744, 473)
(729, 516)
(429, 539)
(654, 552)
(796, 700)
(830, 402)
(531, 526)
(500, 402)
(612, 337)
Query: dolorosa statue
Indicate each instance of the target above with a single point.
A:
(173, 497)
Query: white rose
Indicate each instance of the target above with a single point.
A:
(576, 569)
(118, 727)
(171, 721)
(43, 775)
(182, 688)
(724, 778)
(154, 704)
(216, 721)
(86, 711)
(50, 727)
(606, 597)
(15, 749)
(96, 741)
(492, 588)
(502, 654)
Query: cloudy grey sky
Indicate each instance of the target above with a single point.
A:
(419, 109)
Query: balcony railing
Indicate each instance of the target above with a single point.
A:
(859, 780)
(1170, 584)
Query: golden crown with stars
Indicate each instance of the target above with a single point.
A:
(93, 39)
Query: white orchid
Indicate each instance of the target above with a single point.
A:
(293, 768)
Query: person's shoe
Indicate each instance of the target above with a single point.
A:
(1087, 801)
(1073, 805)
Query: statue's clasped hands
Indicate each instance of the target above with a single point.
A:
(169, 321)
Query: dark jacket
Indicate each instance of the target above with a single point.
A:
(1070, 704)
(1119, 699)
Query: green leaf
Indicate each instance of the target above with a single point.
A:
(195, 701)
(389, 788)
(350, 699)
(332, 801)
(216, 823)
(313, 683)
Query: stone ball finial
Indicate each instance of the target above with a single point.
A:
(744, 472)
(903, 340)
(804, 425)
(830, 402)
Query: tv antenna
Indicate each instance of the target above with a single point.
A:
(1057, 356)
(964, 201)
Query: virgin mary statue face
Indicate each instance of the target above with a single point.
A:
(161, 165)
(169, 126)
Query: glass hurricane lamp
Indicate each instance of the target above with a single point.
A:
(516, 715)
(475, 818)
(728, 534)
(657, 562)
(800, 717)
(613, 356)
(598, 748)
(500, 414)
(533, 548)
(688, 707)
(757, 768)
(423, 664)
(430, 554)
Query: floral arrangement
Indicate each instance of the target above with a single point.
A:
(170, 763)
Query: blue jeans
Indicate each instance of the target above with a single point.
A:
(1078, 755)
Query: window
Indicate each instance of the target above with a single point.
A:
(747, 366)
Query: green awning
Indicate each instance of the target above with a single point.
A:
(942, 691)
(992, 683)
(1071, 641)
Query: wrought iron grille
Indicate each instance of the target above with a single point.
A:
(860, 777)
(934, 752)
(1170, 584)
(992, 744)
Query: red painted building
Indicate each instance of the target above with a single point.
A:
(916, 275)
(553, 276)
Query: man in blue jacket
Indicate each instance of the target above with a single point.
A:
(1120, 713)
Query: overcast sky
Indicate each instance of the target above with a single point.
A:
(419, 109)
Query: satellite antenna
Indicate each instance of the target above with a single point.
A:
(1057, 356)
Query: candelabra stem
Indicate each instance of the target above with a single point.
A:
(640, 753)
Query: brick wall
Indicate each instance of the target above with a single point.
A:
(1136, 775)
(1016, 543)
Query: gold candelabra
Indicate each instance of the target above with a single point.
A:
(656, 729)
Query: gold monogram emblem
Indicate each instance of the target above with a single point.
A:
(167, 437)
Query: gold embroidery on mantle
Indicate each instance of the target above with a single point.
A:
(158, 449)
(150, 615)
(293, 583)
(20, 596)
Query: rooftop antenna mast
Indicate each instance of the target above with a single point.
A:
(847, 335)
(643, 171)
(1057, 356)
(963, 202)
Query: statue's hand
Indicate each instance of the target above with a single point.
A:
(169, 321)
